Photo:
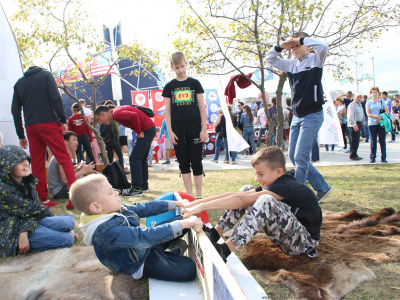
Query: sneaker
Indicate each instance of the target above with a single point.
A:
(211, 233)
(133, 193)
(214, 160)
(223, 250)
(226, 161)
(355, 158)
(124, 192)
(372, 160)
(167, 162)
(178, 247)
(384, 161)
(234, 163)
(346, 150)
(69, 205)
(322, 195)
(391, 141)
(49, 203)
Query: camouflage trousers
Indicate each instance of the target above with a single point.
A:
(275, 218)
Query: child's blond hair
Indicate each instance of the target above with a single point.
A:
(85, 191)
(271, 156)
(177, 58)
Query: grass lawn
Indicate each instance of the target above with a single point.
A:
(365, 188)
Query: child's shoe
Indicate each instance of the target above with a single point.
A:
(211, 233)
(49, 203)
(69, 204)
(223, 250)
(178, 246)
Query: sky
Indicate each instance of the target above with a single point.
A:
(153, 22)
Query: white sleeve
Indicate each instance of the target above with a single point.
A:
(274, 60)
(320, 48)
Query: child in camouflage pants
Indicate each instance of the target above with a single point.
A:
(287, 211)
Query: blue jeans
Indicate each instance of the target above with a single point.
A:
(227, 152)
(375, 132)
(138, 159)
(261, 132)
(218, 144)
(303, 132)
(159, 263)
(52, 233)
(248, 133)
(366, 130)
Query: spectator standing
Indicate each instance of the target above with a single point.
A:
(167, 143)
(185, 115)
(374, 108)
(305, 74)
(77, 125)
(262, 119)
(37, 95)
(274, 117)
(384, 97)
(342, 112)
(365, 130)
(287, 118)
(239, 116)
(248, 129)
(355, 120)
(253, 106)
(87, 111)
(110, 134)
(140, 122)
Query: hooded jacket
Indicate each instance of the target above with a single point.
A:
(20, 207)
(36, 93)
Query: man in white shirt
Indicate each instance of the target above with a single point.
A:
(88, 112)
(262, 119)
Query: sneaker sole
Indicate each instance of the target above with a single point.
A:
(327, 193)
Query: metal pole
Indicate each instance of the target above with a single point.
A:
(373, 71)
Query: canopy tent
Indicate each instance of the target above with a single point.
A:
(10, 71)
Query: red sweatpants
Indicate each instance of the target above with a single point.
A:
(50, 134)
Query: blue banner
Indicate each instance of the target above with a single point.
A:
(212, 102)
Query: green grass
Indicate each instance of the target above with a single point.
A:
(366, 188)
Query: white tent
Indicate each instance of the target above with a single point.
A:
(10, 71)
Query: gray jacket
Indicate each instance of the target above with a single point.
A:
(352, 114)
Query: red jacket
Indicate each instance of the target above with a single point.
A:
(132, 118)
(76, 124)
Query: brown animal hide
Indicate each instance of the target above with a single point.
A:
(71, 273)
(349, 242)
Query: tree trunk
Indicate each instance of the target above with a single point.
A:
(99, 139)
(279, 109)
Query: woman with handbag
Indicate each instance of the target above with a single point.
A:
(374, 108)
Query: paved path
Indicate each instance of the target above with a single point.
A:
(336, 158)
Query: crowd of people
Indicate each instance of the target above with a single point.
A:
(282, 205)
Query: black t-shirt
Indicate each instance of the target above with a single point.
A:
(184, 107)
(302, 201)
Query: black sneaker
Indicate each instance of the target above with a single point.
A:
(133, 193)
(321, 196)
(178, 246)
(223, 250)
(167, 162)
(211, 233)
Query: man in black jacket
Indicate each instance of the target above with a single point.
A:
(36, 93)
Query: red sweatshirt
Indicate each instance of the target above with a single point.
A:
(76, 124)
(132, 118)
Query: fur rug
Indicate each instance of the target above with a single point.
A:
(349, 242)
(71, 273)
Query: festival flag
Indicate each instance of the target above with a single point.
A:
(99, 65)
(268, 75)
(140, 98)
(158, 106)
(367, 73)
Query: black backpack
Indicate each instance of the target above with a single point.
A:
(116, 176)
(146, 110)
(290, 115)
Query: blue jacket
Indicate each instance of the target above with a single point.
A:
(20, 207)
(245, 120)
(121, 244)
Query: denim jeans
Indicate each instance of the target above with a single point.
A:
(248, 133)
(218, 144)
(375, 132)
(159, 263)
(52, 233)
(315, 152)
(303, 132)
(366, 130)
(83, 141)
(227, 152)
(138, 160)
(261, 132)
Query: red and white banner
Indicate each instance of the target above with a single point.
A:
(158, 106)
(140, 98)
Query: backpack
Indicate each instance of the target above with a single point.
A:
(290, 115)
(275, 117)
(146, 110)
(116, 176)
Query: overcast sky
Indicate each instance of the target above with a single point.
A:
(153, 21)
